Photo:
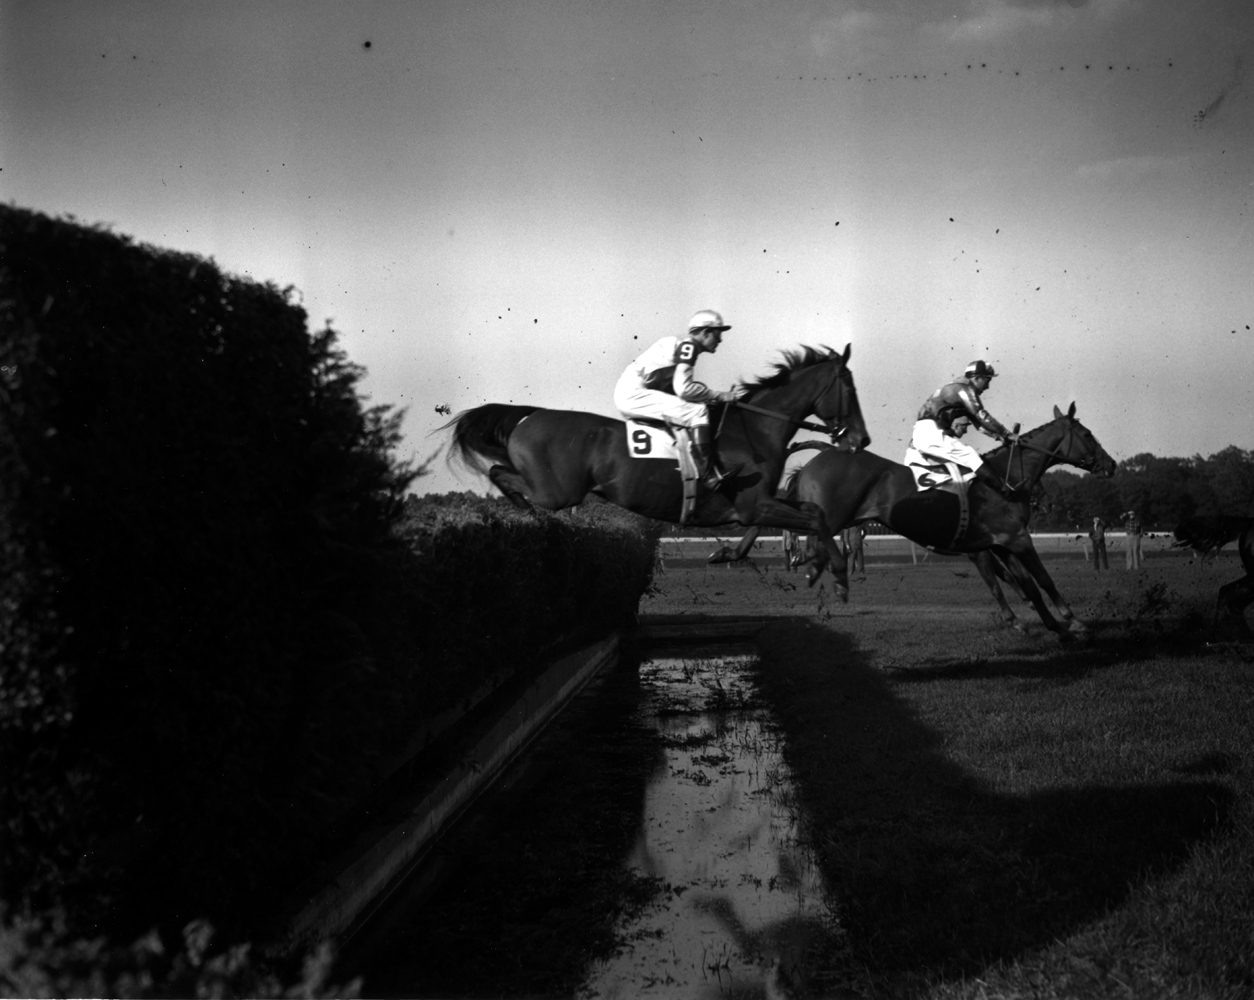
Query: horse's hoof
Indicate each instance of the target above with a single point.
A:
(842, 593)
(721, 556)
(1078, 627)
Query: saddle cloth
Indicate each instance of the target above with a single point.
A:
(929, 472)
(650, 441)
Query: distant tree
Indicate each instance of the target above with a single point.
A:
(1229, 478)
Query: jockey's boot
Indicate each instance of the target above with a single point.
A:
(991, 479)
(703, 451)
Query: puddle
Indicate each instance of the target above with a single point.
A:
(743, 903)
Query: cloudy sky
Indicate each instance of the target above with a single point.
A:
(507, 200)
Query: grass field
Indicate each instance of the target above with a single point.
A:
(998, 814)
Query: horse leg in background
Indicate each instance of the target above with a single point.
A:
(741, 550)
(1031, 560)
(990, 570)
(1235, 597)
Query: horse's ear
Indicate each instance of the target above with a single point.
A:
(1071, 410)
(848, 351)
(1057, 412)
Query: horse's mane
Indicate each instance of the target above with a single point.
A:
(1023, 434)
(794, 360)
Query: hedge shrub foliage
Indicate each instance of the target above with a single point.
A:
(214, 622)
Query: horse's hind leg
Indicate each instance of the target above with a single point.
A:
(984, 563)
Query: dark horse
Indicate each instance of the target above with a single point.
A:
(554, 458)
(853, 489)
(1207, 535)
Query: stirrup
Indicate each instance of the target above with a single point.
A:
(714, 479)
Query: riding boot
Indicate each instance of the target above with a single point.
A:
(990, 478)
(703, 451)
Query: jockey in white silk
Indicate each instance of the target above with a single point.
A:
(659, 385)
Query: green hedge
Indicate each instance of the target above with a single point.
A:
(214, 621)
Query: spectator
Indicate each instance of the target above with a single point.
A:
(1132, 524)
(853, 546)
(1097, 535)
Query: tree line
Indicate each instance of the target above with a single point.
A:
(1161, 491)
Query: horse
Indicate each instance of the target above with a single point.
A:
(552, 459)
(1206, 536)
(853, 489)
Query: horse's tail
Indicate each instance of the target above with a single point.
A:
(788, 488)
(481, 435)
(1207, 535)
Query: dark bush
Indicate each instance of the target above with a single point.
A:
(188, 484)
(214, 622)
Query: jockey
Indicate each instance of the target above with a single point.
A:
(659, 385)
(933, 432)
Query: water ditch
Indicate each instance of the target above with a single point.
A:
(647, 844)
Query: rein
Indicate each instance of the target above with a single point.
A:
(1057, 453)
(809, 425)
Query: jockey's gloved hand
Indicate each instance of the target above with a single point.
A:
(728, 397)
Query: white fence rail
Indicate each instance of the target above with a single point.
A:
(1045, 542)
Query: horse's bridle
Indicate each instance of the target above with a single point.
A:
(835, 428)
(1059, 453)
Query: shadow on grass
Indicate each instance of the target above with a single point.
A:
(933, 873)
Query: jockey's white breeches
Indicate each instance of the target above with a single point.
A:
(928, 438)
(634, 401)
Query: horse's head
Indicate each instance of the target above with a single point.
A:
(1079, 447)
(837, 404)
(813, 381)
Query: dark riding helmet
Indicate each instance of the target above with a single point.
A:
(979, 368)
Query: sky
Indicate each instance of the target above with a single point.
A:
(507, 200)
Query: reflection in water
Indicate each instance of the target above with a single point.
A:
(743, 902)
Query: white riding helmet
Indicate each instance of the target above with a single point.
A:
(978, 368)
(707, 319)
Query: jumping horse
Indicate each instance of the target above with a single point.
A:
(1207, 535)
(853, 489)
(552, 459)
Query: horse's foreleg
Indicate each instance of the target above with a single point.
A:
(807, 518)
(741, 550)
(511, 483)
(984, 563)
(1032, 561)
(1018, 568)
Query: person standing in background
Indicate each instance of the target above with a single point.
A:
(853, 546)
(1097, 535)
(1132, 524)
